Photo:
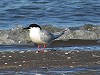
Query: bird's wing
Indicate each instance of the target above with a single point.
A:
(46, 36)
(58, 34)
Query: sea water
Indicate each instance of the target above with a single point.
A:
(32, 48)
(69, 13)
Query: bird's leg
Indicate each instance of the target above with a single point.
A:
(44, 46)
(38, 47)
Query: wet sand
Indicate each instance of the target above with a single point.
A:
(48, 59)
(74, 42)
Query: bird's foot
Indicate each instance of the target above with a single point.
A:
(43, 51)
(38, 51)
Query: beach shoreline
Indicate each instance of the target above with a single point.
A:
(48, 59)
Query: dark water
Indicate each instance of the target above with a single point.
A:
(56, 71)
(56, 12)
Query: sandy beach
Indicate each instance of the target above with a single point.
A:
(48, 59)
(84, 61)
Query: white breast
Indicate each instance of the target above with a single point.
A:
(35, 36)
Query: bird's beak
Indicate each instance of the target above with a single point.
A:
(27, 28)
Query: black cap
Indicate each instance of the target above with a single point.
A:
(33, 25)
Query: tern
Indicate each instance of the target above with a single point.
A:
(40, 36)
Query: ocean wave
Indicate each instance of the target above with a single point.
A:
(19, 36)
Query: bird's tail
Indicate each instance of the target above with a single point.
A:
(58, 34)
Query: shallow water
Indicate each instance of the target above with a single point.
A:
(27, 47)
(95, 70)
(55, 12)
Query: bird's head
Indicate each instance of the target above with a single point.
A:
(33, 26)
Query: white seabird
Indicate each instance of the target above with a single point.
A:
(40, 36)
